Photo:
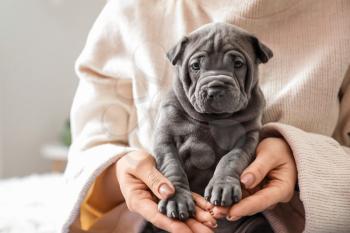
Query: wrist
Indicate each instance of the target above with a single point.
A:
(106, 193)
(278, 143)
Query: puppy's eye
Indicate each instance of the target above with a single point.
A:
(238, 64)
(196, 66)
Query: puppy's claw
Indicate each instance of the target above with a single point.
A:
(182, 216)
(173, 214)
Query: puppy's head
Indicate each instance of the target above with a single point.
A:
(217, 67)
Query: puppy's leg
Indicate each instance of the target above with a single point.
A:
(181, 205)
(169, 126)
(224, 188)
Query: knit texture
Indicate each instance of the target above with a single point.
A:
(124, 74)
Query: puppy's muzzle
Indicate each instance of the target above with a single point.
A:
(216, 84)
(216, 90)
(216, 93)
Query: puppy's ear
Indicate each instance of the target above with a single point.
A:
(262, 52)
(175, 53)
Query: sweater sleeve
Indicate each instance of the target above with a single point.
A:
(102, 114)
(323, 165)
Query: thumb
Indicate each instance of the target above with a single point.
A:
(157, 183)
(257, 171)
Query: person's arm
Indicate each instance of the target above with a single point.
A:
(101, 116)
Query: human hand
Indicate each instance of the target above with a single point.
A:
(275, 163)
(141, 184)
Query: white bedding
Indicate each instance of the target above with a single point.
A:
(30, 204)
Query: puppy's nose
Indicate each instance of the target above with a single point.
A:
(215, 93)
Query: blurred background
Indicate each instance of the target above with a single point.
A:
(39, 43)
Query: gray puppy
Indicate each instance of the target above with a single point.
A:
(208, 126)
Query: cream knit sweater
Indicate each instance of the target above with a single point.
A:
(124, 73)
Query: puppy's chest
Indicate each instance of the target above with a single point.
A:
(201, 146)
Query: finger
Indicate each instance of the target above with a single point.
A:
(155, 181)
(148, 209)
(219, 212)
(201, 202)
(205, 217)
(258, 202)
(197, 227)
(258, 169)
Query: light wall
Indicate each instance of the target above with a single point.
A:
(39, 42)
(1, 127)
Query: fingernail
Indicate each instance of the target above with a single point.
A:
(165, 190)
(209, 208)
(232, 218)
(248, 179)
(213, 225)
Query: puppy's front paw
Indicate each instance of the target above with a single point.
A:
(180, 206)
(223, 191)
